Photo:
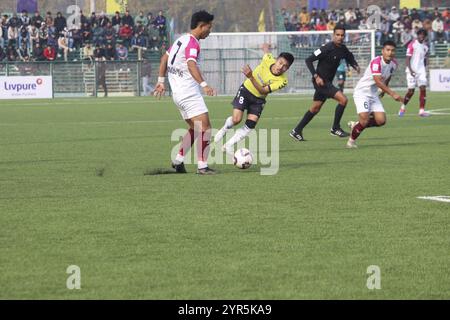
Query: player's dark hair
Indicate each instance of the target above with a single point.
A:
(201, 16)
(423, 31)
(339, 27)
(289, 57)
(389, 43)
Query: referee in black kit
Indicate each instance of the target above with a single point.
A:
(329, 56)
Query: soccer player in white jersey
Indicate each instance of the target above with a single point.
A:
(368, 105)
(416, 74)
(185, 78)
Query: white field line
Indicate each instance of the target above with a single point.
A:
(94, 123)
(436, 198)
(438, 112)
(86, 101)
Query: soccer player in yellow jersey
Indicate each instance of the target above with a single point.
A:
(268, 76)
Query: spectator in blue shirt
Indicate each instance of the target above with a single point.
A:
(121, 52)
(25, 19)
(139, 43)
(122, 55)
(160, 23)
(97, 34)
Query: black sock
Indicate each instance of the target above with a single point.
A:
(306, 119)
(406, 99)
(338, 116)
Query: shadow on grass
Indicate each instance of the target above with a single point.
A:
(158, 171)
(220, 171)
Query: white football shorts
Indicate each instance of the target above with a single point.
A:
(190, 106)
(419, 80)
(368, 104)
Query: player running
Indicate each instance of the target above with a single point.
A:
(416, 73)
(268, 76)
(329, 56)
(368, 105)
(185, 78)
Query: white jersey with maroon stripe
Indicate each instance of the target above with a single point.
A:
(378, 67)
(185, 48)
(418, 52)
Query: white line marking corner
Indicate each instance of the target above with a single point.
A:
(436, 198)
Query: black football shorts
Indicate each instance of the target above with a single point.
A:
(245, 100)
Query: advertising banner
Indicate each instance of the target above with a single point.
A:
(440, 79)
(26, 87)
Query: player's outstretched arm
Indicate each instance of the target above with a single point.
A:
(380, 84)
(248, 72)
(196, 74)
(266, 48)
(160, 88)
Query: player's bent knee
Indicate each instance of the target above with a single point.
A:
(236, 120)
(251, 124)
(205, 126)
(315, 109)
(381, 123)
(363, 121)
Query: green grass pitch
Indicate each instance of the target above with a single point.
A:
(73, 192)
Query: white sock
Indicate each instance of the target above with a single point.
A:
(202, 164)
(240, 134)
(179, 159)
(228, 123)
(221, 133)
(403, 106)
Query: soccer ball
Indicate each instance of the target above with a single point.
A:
(243, 158)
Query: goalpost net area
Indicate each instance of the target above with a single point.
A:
(224, 54)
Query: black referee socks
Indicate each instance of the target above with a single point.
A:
(306, 119)
(338, 116)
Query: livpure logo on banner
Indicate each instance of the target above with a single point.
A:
(440, 79)
(26, 87)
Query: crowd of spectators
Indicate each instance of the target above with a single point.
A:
(27, 37)
(400, 26)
